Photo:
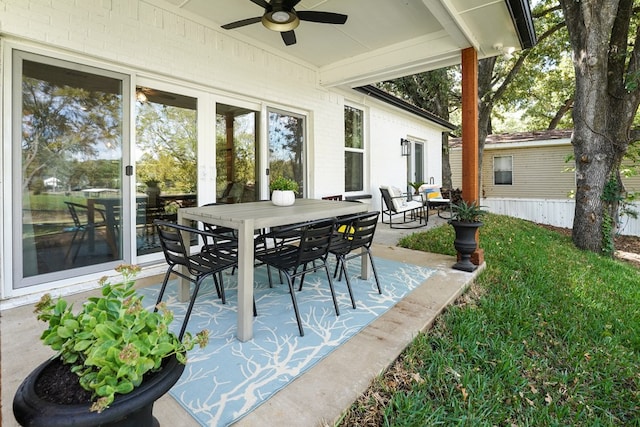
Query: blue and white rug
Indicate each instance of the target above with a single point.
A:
(228, 379)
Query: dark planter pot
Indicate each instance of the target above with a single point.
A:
(465, 243)
(129, 410)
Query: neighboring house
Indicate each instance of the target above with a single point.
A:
(530, 175)
(93, 89)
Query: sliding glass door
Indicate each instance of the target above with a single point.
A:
(166, 160)
(287, 147)
(236, 145)
(69, 135)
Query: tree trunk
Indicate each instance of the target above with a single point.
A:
(446, 164)
(604, 106)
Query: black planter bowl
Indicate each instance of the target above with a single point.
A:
(134, 409)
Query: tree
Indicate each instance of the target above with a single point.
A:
(606, 46)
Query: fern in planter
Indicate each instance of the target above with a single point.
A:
(113, 341)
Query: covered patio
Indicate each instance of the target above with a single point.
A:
(320, 394)
(179, 49)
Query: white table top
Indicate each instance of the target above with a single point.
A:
(266, 214)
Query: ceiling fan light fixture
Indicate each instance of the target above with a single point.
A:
(280, 20)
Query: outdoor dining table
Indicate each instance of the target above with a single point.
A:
(248, 217)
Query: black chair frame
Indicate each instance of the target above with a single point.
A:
(308, 255)
(353, 239)
(198, 266)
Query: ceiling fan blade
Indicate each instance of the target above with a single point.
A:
(242, 23)
(288, 37)
(322, 17)
(290, 4)
(261, 3)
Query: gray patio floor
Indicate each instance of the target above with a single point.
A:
(316, 398)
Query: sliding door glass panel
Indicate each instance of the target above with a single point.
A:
(166, 164)
(418, 162)
(236, 154)
(68, 128)
(286, 147)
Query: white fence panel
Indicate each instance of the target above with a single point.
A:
(556, 212)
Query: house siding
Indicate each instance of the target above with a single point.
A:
(543, 183)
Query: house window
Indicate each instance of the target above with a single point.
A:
(354, 149)
(503, 170)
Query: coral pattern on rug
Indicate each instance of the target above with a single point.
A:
(227, 379)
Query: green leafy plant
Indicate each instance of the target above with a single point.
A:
(283, 184)
(416, 185)
(464, 211)
(113, 341)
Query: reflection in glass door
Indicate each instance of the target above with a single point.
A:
(68, 133)
(166, 164)
(236, 154)
(286, 147)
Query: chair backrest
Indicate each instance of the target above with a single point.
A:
(74, 213)
(358, 230)
(315, 241)
(175, 251)
(386, 197)
(363, 229)
(337, 197)
(222, 234)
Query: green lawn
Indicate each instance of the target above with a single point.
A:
(547, 336)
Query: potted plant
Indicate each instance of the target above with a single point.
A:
(466, 219)
(114, 360)
(416, 186)
(283, 191)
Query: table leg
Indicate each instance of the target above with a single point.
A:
(245, 281)
(365, 265)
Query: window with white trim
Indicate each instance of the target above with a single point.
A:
(503, 170)
(353, 149)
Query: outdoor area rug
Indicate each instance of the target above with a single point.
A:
(228, 379)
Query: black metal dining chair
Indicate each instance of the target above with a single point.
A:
(198, 266)
(353, 239)
(309, 254)
(80, 216)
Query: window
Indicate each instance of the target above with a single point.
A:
(354, 149)
(503, 170)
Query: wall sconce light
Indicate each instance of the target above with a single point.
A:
(405, 146)
(507, 51)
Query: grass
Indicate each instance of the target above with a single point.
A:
(548, 335)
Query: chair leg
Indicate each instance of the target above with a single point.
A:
(375, 273)
(190, 308)
(220, 286)
(73, 239)
(295, 305)
(346, 276)
(162, 288)
(333, 293)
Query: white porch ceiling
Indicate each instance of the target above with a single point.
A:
(381, 39)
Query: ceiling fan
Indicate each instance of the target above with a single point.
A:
(280, 15)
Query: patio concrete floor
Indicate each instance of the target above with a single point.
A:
(320, 395)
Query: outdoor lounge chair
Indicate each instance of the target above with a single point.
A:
(401, 213)
(434, 200)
